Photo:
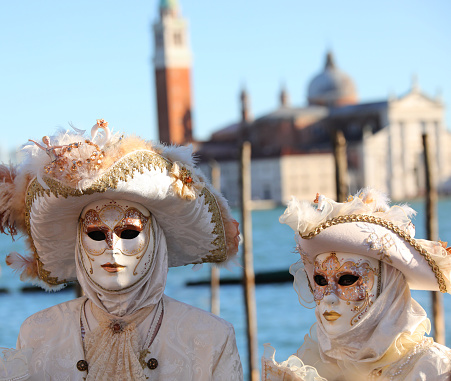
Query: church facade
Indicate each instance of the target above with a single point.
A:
(384, 142)
(292, 149)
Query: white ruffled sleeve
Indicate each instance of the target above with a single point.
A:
(292, 369)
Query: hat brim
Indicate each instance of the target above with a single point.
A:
(376, 241)
(195, 229)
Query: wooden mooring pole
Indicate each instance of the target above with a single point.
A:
(432, 234)
(341, 164)
(214, 274)
(248, 262)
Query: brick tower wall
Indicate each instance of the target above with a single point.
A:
(173, 86)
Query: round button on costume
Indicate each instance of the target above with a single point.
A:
(359, 261)
(114, 213)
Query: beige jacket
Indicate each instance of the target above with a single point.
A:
(191, 344)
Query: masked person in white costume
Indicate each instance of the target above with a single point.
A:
(115, 213)
(359, 260)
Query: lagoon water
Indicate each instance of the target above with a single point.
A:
(281, 320)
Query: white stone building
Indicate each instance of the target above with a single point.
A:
(277, 179)
(292, 152)
(393, 159)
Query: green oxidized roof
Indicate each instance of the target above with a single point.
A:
(169, 4)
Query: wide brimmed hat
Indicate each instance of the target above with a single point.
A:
(367, 225)
(45, 195)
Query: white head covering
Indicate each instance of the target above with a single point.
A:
(392, 318)
(116, 356)
(145, 293)
(395, 323)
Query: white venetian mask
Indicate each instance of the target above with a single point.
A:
(117, 243)
(345, 287)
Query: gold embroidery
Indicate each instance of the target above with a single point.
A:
(219, 254)
(388, 225)
(382, 244)
(379, 279)
(142, 357)
(367, 303)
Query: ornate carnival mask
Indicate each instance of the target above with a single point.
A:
(116, 241)
(345, 287)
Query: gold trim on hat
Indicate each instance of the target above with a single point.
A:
(388, 225)
(220, 253)
(122, 170)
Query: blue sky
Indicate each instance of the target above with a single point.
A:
(76, 61)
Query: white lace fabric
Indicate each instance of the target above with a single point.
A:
(113, 347)
(292, 369)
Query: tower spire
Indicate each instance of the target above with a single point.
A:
(330, 61)
(415, 87)
(245, 106)
(284, 97)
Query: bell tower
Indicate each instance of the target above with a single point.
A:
(172, 61)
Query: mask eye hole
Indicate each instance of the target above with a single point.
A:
(347, 280)
(129, 234)
(97, 235)
(320, 280)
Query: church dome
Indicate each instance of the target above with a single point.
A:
(332, 87)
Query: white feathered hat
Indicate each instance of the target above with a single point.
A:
(368, 226)
(44, 196)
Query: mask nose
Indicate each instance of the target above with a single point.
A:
(114, 246)
(116, 254)
(113, 241)
(331, 298)
(110, 239)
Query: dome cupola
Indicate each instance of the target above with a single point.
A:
(332, 87)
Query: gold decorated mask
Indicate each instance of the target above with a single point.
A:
(117, 243)
(344, 288)
(350, 281)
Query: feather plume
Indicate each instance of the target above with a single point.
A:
(7, 173)
(7, 192)
(183, 154)
(301, 216)
(25, 265)
(77, 130)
